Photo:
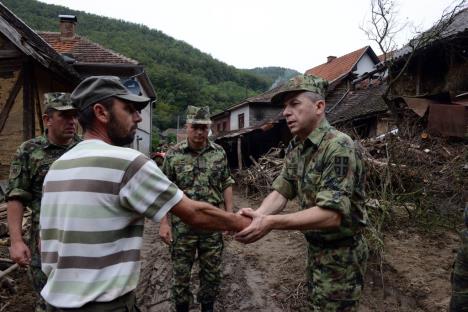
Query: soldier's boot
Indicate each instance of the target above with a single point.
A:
(182, 307)
(207, 307)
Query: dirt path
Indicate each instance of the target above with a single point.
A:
(269, 274)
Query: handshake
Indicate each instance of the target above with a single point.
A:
(247, 224)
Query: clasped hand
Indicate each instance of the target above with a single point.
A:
(258, 228)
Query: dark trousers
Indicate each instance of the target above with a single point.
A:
(125, 303)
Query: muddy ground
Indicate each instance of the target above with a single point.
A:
(269, 274)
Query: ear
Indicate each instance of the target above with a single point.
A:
(101, 113)
(46, 120)
(320, 106)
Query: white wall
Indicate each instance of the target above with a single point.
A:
(142, 140)
(365, 64)
(234, 118)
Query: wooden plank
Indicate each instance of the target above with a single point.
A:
(38, 105)
(10, 101)
(10, 53)
(17, 39)
(9, 270)
(28, 105)
(239, 152)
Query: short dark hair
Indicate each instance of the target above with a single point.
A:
(86, 116)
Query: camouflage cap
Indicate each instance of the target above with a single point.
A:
(58, 100)
(198, 115)
(97, 88)
(301, 83)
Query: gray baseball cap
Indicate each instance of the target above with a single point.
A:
(97, 88)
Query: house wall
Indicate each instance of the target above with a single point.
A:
(142, 141)
(220, 121)
(365, 64)
(11, 136)
(260, 113)
(235, 115)
(442, 68)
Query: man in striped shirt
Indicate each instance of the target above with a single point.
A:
(95, 199)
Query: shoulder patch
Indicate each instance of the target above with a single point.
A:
(15, 170)
(341, 165)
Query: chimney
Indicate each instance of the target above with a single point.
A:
(67, 26)
(330, 58)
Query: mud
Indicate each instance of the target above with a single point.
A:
(269, 274)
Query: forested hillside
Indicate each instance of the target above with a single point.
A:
(276, 75)
(181, 74)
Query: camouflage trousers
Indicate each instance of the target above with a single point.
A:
(459, 300)
(38, 279)
(336, 276)
(209, 246)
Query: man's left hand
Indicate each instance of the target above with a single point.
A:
(258, 228)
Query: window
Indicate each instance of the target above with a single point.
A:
(241, 120)
(218, 126)
(224, 126)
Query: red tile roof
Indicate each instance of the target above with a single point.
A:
(83, 50)
(339, 66)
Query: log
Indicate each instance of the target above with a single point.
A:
(9, 270)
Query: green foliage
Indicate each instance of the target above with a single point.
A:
(155, 140)
(181, 74)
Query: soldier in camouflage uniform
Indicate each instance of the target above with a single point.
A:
(28, 169)
(199, 168)
(459, 301)
(324, 170)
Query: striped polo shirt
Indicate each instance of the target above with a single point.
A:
(92, 214)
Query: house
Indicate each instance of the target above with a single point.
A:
(435, 77)
(340, 69)
(250, 129)
(356, 83)
(29, 67)
(362, 112)
(89, 59)
(250, 113)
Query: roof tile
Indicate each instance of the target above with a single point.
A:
(339, 66)
(83, 50)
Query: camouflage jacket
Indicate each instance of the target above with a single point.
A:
(326, 170)
(202, 175)
(27, 172)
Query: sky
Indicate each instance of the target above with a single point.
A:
(296, 34)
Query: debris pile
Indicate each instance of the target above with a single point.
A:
(256, 181)
(420, 174)
(7, 283)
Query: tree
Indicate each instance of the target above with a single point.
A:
(382, 27)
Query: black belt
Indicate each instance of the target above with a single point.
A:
(317, 241)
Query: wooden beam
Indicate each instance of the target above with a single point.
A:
(28, 105)
(17, 39)
(10, 101)
(239, 152)
(38, 105)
